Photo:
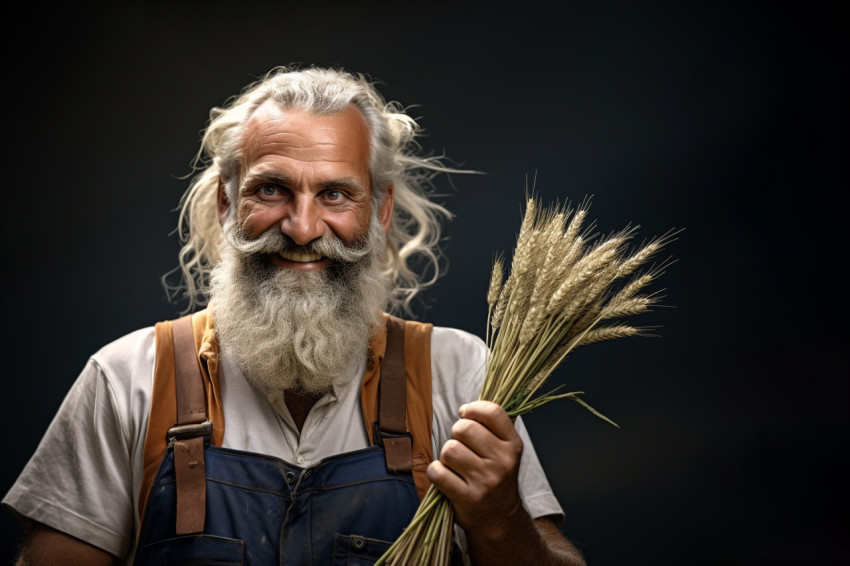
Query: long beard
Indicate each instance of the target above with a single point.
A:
(289, 329)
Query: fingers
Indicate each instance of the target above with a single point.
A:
(488, 431)
(491, 415)
(479, 464)
(461, 459)
(446, 480)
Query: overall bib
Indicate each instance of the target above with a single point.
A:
(219, 506)
(346, 509)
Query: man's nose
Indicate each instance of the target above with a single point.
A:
(303, 221)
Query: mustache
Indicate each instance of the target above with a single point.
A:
(273, 241)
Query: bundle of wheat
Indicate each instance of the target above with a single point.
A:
(565, 289)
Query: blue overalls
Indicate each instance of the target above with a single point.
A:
(257, 509)
(346, 509)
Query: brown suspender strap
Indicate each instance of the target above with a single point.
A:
(188, 440)
(163, 412)
(189, 383)
(416, 350)
(163, 406)
(392, 402)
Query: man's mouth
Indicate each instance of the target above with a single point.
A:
(301, 257)
(300, 260)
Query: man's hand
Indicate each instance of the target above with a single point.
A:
(478, 469)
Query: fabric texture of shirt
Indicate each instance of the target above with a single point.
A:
(85, 476)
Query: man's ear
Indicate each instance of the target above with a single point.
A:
(223, 201)
(385, 212)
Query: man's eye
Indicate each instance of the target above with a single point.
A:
(333, 196)
(267, 190)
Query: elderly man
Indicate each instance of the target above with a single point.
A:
(291, 421)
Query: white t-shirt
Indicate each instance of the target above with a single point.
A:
(84, 479)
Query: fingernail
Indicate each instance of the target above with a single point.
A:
(461, 410)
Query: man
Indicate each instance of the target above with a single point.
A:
(299, 227)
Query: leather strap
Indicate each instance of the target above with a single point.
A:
(392, 402)
(190, 475)
(162, 413)
(191, 401)
(163, 405)
(189, 467)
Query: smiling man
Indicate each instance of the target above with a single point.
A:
(306, 231)
(292, 421)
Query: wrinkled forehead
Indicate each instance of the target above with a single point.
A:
(307, 136)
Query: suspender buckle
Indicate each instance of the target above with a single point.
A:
(379, 435)
(398, 449)
(194, 430)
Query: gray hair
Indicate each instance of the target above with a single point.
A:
(395, 159)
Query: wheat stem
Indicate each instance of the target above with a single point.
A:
(559, 289)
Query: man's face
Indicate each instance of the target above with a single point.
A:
(299, 288)
(307, 176)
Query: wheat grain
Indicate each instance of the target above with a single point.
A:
(548, 268)
(554, 297)
(633, 287)
(575, 224)
(525, 240)
(531, 324)
(604, 252)
(496, 277)
(570, 255)
(639, 258)
(564, 298)
(608, 333)
(628, 307)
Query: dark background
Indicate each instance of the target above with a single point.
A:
(727, 119)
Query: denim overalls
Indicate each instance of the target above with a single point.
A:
(260, 510)
(264, 511)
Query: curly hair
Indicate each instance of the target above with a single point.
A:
(395, 159)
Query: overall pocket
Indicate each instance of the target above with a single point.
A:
(190, 550)
(356, 550)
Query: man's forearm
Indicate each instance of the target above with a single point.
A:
(45, 546)
(523, 541)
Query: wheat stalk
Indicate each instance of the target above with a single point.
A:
(561, 286)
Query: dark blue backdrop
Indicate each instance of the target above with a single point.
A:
(728, 119)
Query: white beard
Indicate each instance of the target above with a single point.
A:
(297, 330)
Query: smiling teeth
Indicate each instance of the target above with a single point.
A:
(300, 256)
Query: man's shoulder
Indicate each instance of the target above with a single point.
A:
(128, 355)
(449, 343)
(457, 371)
(126, 344)
(447, 340)
(457, 363)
